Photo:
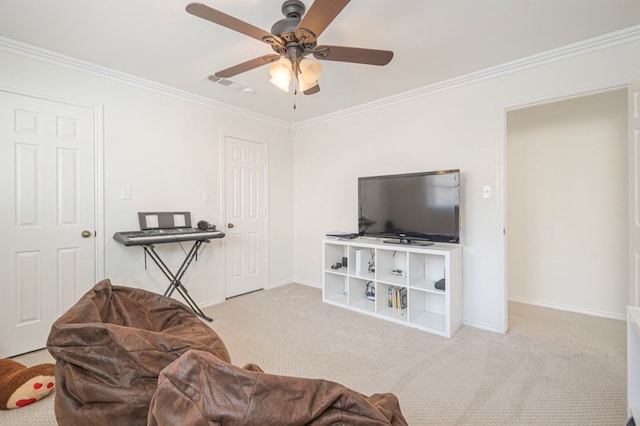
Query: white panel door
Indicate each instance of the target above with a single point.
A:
(245, 217)
(47, 185)
(634, 193)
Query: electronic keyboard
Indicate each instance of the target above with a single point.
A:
(160, 236)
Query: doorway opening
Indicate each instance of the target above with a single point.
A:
(566, 204)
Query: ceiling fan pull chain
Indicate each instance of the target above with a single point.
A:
(295, 81)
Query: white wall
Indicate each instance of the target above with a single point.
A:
(567, 204)
(167, 149)
(458, 127)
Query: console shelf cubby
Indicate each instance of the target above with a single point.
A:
(395, 282)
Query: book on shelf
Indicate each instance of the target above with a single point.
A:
(397, 297)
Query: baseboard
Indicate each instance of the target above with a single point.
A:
(480, 326)
(212, 302)
(278, 284)
(568, 308)
(208, 303)
(309, 284)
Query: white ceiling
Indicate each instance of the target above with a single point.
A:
(433, 41)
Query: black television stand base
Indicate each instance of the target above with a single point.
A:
(408, 242)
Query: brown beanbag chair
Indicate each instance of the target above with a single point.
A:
(200, 389)
(110, 348)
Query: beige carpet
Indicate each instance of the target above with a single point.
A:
(552, 368)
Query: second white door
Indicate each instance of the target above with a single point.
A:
(245, 216)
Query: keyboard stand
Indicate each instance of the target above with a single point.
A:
(176, 279)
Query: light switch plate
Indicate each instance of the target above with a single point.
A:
(125, 193)
(487, 191)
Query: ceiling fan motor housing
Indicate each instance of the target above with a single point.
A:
(284, 28)
(293, 10)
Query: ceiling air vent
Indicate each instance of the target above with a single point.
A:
(229, 83)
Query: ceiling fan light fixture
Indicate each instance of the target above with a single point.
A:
(304, 86)
(310, 71)
(282, 85)
(293, 38)
(281, 74)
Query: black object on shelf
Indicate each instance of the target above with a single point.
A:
(342, 235)
(439, 285)
(370, 291)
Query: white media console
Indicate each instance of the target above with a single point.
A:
(396, 282)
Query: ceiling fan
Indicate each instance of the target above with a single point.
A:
(293, 38)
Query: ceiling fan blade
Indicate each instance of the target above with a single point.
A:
(312, 90)
(205, 12)
(318, 17)
(246, 66)
(353, 54)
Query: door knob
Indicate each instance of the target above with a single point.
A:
(85, 234)
(230, 225)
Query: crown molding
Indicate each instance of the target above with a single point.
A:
(33, 52)
(612, 39)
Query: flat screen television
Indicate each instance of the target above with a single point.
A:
(411, 208)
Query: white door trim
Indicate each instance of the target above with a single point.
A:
(633, 114)
(98, 116)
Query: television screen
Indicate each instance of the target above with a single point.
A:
(416, 206)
